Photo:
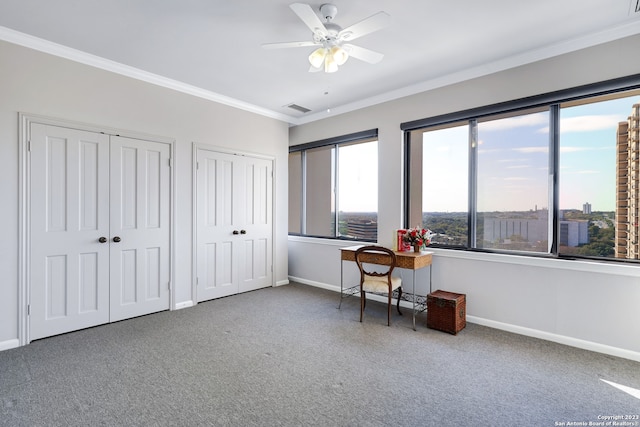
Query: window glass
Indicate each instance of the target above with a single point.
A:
(513, 182)
(319, 192)
(333, 188)
(295, 192)
(598, 179)
(440, 183)
(358, 190)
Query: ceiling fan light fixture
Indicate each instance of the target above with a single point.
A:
(331, 41)
(317, 57)
(330, 64)
(339, 55)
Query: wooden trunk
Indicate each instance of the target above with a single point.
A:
(446, 311)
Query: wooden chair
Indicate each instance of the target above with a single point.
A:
(378, 282)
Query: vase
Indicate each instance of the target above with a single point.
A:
(416, 248)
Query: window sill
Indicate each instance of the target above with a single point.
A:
(600, 267)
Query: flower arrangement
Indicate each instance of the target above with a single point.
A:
(418, 237)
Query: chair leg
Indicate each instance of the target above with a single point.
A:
(399, 298)
(363, 301)
(389, 309)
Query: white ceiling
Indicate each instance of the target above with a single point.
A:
(212, 48)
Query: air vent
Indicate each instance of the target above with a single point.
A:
(298, 108)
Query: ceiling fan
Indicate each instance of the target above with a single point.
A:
(333, 41)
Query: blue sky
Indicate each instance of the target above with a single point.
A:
(588, 153)
(513, 161)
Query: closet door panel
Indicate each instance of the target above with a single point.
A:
(140, 229)
(69, 206)
(217, 207)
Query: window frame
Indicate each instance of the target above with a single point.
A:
(334, 142)
(550, 101)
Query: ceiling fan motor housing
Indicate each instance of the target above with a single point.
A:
(328, 11)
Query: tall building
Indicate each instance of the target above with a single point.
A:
(530, 229)
(573, 233)
(628, 186)
(363, 229)
(586, 208)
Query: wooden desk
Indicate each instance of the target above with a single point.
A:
(407, 260)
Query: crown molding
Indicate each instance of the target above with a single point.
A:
(79, 56)
(626, 30)
(630, 28)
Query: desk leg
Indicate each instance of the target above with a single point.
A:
(413, 299)
(341, 275)
(341, 279)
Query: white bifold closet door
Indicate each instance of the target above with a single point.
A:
(99, 229)
(234, 224)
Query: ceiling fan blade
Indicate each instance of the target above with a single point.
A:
(309, 17)
(363, 54)
(366, 26)
(288, 44)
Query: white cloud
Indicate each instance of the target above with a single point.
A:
(578, 149)
(573, 149)
(515, 122)
(582, 172)
(587, 123)
(529, 150)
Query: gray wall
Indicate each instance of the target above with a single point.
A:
(36, 83)
(584, 304)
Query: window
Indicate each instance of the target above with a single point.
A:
(512, 188)
(333, 188)
(358, 190)
(440, 172)
(599, 176)
(557, 174)
(319, 184)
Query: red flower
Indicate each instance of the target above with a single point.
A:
(417, 236)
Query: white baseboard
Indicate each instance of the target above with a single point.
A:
(560, 339)
(282, 282)
(315, 284)
(9, 344)
(534, 333)
(184, 304)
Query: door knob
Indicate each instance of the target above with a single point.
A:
(243, 231)
(116, 239)
(102, 240)
(236, 232)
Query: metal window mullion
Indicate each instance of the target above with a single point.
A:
(335, 186)
(303, 197)
(407, 178)
(554, 185)
(473, 184)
